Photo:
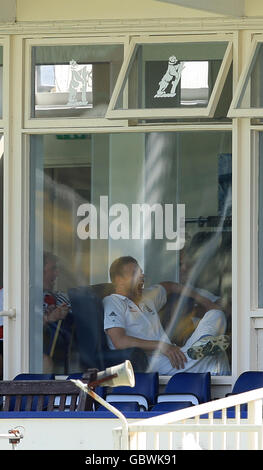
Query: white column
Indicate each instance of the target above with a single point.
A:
(16, 334)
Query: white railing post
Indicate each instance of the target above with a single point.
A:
(180, 423)
(255, 417)
(117, 439)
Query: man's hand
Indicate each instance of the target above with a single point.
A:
(57, 313)
(174, 354)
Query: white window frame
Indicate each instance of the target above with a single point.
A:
(234, 110)
(256, 311)
(5, 43)
(156, 113)
(21, 126)
(34, 123)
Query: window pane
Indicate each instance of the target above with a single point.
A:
(260, 223)
(1, 249)
(163, 198)
(74, 81)
(252, 95)
(1, 82)
(171, 75)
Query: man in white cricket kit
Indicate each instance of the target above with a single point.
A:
(131, 320)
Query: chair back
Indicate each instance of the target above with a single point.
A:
(195, 383)
(248, 380)
(146, 384)
(29, 376)
(88, 312)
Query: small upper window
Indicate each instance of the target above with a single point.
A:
(75, 80)
(168, 77)
(248, 99)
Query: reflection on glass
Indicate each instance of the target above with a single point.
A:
(96, 197)
(1, 249)
(194, 84)
(74, 81)
(171, 75)
(260, 222)
(252, 95)
(1, 82)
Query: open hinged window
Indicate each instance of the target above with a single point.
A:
(248, 98)
(171, 77)
(69, 80)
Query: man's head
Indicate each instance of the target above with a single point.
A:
(127, 276)
(50, 270)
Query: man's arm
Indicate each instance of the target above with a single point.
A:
(121, 341)
(176, 288)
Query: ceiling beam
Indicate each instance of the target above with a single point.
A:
(234, 8)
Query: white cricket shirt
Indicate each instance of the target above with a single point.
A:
(139, 321)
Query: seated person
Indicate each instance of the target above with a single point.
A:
(201, 268)
(57, 320)
(132, 320)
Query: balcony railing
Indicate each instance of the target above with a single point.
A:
(234, 422)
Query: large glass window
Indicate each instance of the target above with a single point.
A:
(1, 249)
(1, 82)
(162, 197)
(75, 80)
(260, 223)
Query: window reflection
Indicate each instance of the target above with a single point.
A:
(1, 82)
(97, 197)
(1, 251)
(194, 83)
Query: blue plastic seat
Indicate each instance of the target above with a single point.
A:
(187, 387)
(248, 380)
(123, 406)
(29, 376)
(144, 392)
(169, 406)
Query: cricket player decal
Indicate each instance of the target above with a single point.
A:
(171, 77)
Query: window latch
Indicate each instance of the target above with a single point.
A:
(11, 313)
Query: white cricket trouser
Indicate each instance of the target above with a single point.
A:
(213, 323)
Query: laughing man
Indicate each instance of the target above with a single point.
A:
(132, 320)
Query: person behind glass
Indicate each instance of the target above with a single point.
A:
(56, 321)
(131, 320)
